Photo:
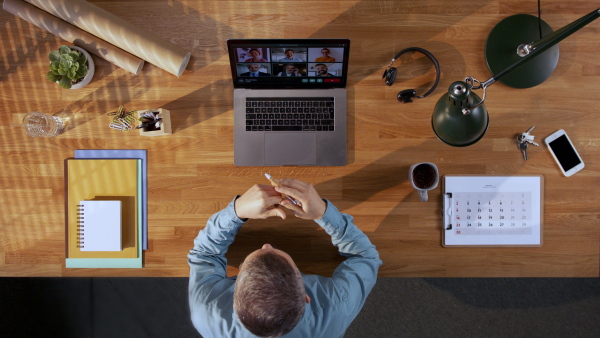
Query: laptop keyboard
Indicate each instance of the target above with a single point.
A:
(290, 114)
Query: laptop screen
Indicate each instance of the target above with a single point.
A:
(289, 63)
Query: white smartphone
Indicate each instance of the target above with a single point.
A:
(564, 153)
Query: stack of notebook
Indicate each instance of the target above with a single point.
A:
(106, 216)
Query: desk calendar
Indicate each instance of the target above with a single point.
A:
(492, 210)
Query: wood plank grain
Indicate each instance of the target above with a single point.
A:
(191, 173)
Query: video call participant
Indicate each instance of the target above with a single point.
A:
(321, 70)
(253, 71)
(256, 56)
(270, 297)
(289, 57)
(290, 70)
(325, 58)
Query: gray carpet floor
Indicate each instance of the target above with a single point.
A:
(397, 307)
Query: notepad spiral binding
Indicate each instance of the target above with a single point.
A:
(80, 226)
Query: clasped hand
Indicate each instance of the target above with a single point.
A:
(263, 201)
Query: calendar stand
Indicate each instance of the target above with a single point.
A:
(485, 210)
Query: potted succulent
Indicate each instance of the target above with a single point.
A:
(70, 67)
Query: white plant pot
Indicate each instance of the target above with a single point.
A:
(90, 74)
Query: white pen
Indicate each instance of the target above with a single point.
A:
(275, 184)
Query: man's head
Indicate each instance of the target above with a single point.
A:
(269, 297)
(321, 69)
(253, 68)
(289, 53)
(325, 52)
(290, 69)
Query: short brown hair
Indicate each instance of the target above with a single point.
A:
(269, 296)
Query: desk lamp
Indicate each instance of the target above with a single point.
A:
(459, 117)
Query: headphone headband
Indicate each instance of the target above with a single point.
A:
(407, 95)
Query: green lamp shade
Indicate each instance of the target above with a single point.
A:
(454, 127)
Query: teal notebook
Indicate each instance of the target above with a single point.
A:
(118, 262)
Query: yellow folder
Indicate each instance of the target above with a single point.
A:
(102, 179)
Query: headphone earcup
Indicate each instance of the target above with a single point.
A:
(390, 76)
(407, 95)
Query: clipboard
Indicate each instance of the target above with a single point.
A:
(489, 210)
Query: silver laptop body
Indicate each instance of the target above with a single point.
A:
(273, 113)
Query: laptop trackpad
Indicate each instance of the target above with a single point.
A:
(290, 148)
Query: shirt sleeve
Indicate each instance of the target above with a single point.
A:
(354, 278)
(207, 261)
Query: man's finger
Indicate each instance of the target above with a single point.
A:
(275, 212)
(272, 200)
(292, 183)
(288, 191)
(291, 206)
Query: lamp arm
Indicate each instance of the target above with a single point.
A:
(531, 50)
(566, 30)
(470, 81)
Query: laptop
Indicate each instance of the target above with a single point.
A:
(289, 101)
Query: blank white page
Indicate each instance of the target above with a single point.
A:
(100, 226)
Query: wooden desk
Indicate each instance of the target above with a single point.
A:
(191, 173)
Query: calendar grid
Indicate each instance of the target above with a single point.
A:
(492, 213)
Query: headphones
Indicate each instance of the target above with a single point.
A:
(407, 95)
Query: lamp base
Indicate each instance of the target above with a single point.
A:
(501, 51)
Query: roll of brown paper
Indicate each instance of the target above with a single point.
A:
(119, 32)
(78, 37)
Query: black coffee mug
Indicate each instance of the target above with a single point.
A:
(423, 176)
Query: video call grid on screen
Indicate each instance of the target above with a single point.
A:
(289, 64)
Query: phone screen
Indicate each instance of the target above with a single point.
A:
(566, 155)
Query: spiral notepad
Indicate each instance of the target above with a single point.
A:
(99, 226)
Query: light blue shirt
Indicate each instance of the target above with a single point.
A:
(293, 59)
(334, 302)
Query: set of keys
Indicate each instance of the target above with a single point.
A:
(523, 141)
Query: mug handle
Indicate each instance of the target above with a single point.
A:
(423, 195)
